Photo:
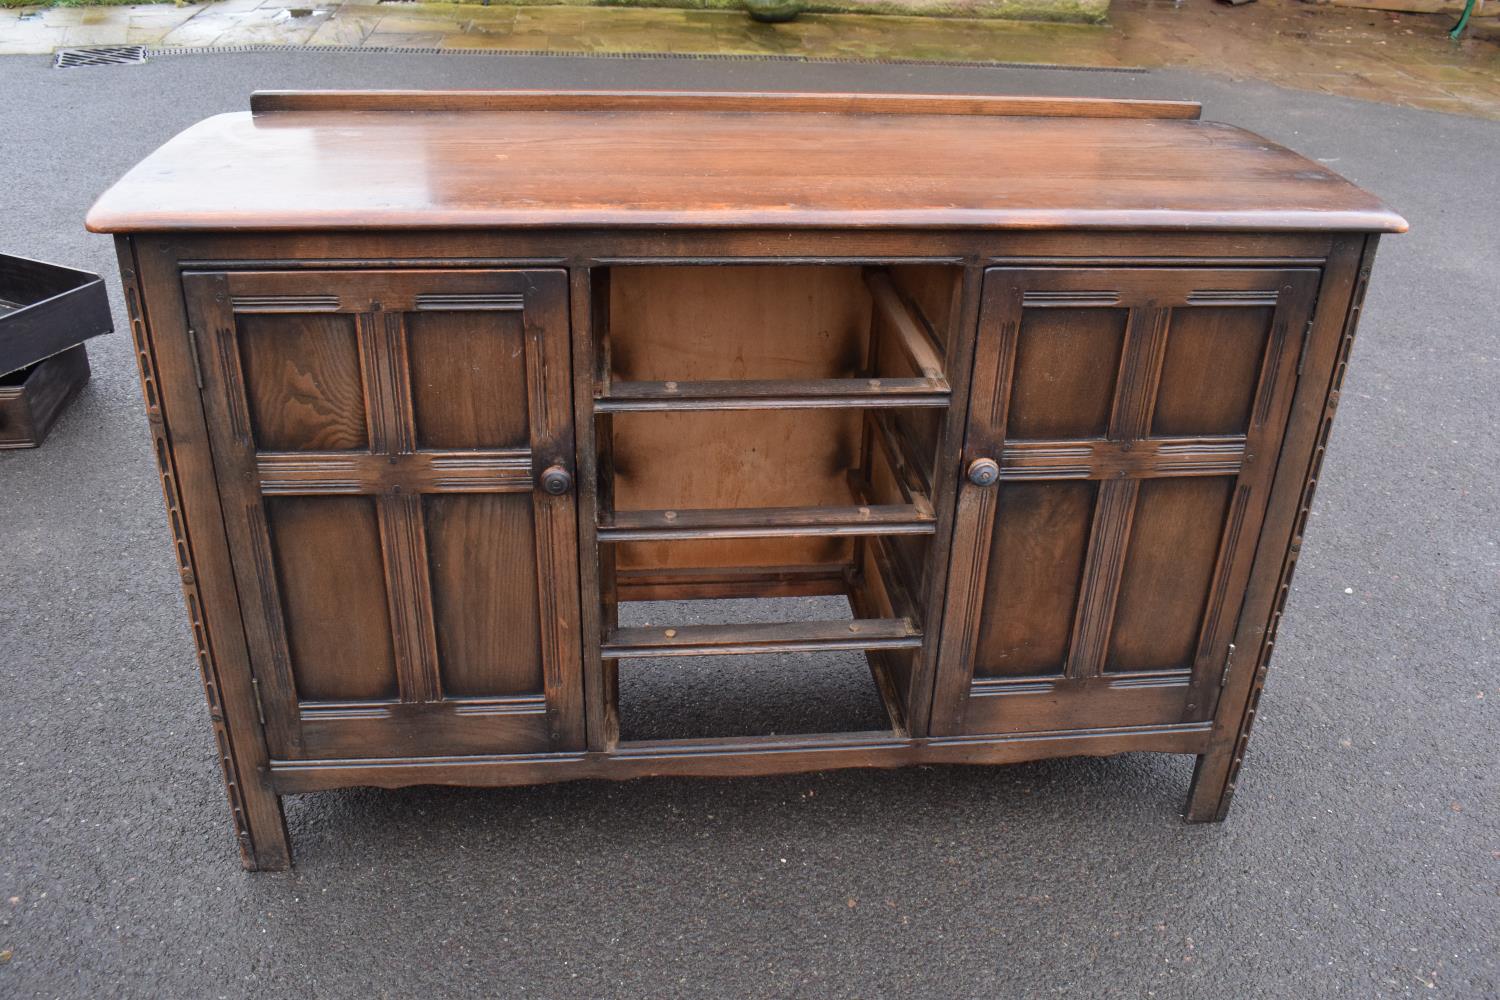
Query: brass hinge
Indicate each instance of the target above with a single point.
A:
(260, 708)
(1224, 677)
(193, 349)
(1306, 338)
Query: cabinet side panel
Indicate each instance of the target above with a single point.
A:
(180, 441)
(1325, 360)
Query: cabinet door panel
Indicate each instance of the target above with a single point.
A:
(1211, 370)
(302, 382)
(1135, 414)
(1067, 361)
(332, 597)
(1036, 563)
(488, 618)
(407, 588)
(468, 380)
(1168, 572)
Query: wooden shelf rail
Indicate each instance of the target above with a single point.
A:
(780, 637)
(912, 334)
(774, 394)
(767, 522)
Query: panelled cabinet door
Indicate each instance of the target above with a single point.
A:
(1135, 415)
(393, 452)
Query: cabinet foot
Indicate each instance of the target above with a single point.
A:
(1211, 791)
(260, 826)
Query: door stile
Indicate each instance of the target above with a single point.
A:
(555, 523)
(999, 324)
(588, 306)
(228, 413)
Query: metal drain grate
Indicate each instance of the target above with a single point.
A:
(107, 55)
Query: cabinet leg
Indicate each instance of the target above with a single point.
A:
(260, 826)
(1212, 788)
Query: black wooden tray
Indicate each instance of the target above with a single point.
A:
(46, 309)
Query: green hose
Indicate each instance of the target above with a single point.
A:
(1463, 21)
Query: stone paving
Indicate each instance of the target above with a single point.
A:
(1401, 59)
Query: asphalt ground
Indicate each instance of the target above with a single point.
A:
(1362, 857)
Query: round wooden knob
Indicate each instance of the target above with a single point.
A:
(984, 472)
(556, 480)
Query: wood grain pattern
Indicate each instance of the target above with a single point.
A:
(911, 333)
(403, 543)
(317, 473)
(351, 606)
(719, 461)
(302, 382)
(1211, 370)
(1153, 596)
(1067, 361)
(1103, 459)
(1099, 589)
(1026, 708)
(786, 323)
(554, 516)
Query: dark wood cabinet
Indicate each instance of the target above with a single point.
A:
(1039, 388)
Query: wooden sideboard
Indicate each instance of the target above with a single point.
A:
(438, 381)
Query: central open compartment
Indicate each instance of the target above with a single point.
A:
(770, 431)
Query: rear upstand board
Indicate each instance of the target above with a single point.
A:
(440, 381)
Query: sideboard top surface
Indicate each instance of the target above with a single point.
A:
(545, 160)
